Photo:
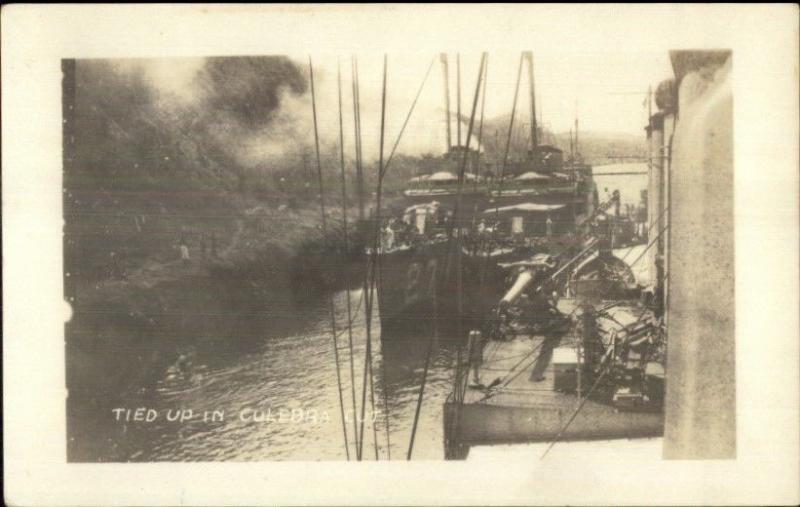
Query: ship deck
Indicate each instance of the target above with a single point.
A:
(525, 368)
(527, 407)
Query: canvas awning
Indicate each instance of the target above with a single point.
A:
(443, 176)
(531, 175)
(429, 206)
(417, 179)
(526, 206)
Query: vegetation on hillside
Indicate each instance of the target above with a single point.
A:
(146, 167)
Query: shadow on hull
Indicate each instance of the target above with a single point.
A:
(418, 292)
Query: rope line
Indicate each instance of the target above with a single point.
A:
(510, 130)
(378, 208)
(425, 372)
(456, 217)
(606, 369)
(649, 228)
(357, 136)
(408, 117)
(347, 249)
(325, 235)
(368, 282)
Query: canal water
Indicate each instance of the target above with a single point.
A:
(277, 398)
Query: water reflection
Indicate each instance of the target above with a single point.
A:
(275, 399)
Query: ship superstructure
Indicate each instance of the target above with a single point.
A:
(496, 212)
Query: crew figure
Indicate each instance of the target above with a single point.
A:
(388, 237)
(184, 248)
(476, 345)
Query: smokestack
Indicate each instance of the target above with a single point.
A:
(534, 134)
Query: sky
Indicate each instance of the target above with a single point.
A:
(606, 90)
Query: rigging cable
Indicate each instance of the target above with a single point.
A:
(357, 136)
(647, 232)
(382, 170)
(508, 139)
(458, 99)
(484, 243)
(651, 244)
(378, 203)
(374, 270)
(479, 245)
(325, 235)
(505, 382)
(372, 407)
(605, 370)
(425, 371)
(347, 252)
(508, 378)
(359, 162)
(408, 117)
(367, 288)
(456, 221)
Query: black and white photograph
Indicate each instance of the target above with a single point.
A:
(424, 251)
(261, 266)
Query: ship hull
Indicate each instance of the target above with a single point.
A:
(418, 287)
(484, 424)
(418, 290)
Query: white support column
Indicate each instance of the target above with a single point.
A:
(700, 407)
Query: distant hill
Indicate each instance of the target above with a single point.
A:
(594, 146)
(600, 147)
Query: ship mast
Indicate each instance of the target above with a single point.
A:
(357, 137)
(443, 57)
(571, 148)
(577, 151)
(458, 99)
(534, 133)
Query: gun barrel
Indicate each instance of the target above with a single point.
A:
(524, 279)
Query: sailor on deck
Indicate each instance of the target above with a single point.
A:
(476, 345)
(388, 237)
(184, 248)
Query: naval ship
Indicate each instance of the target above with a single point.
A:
(443, 251)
